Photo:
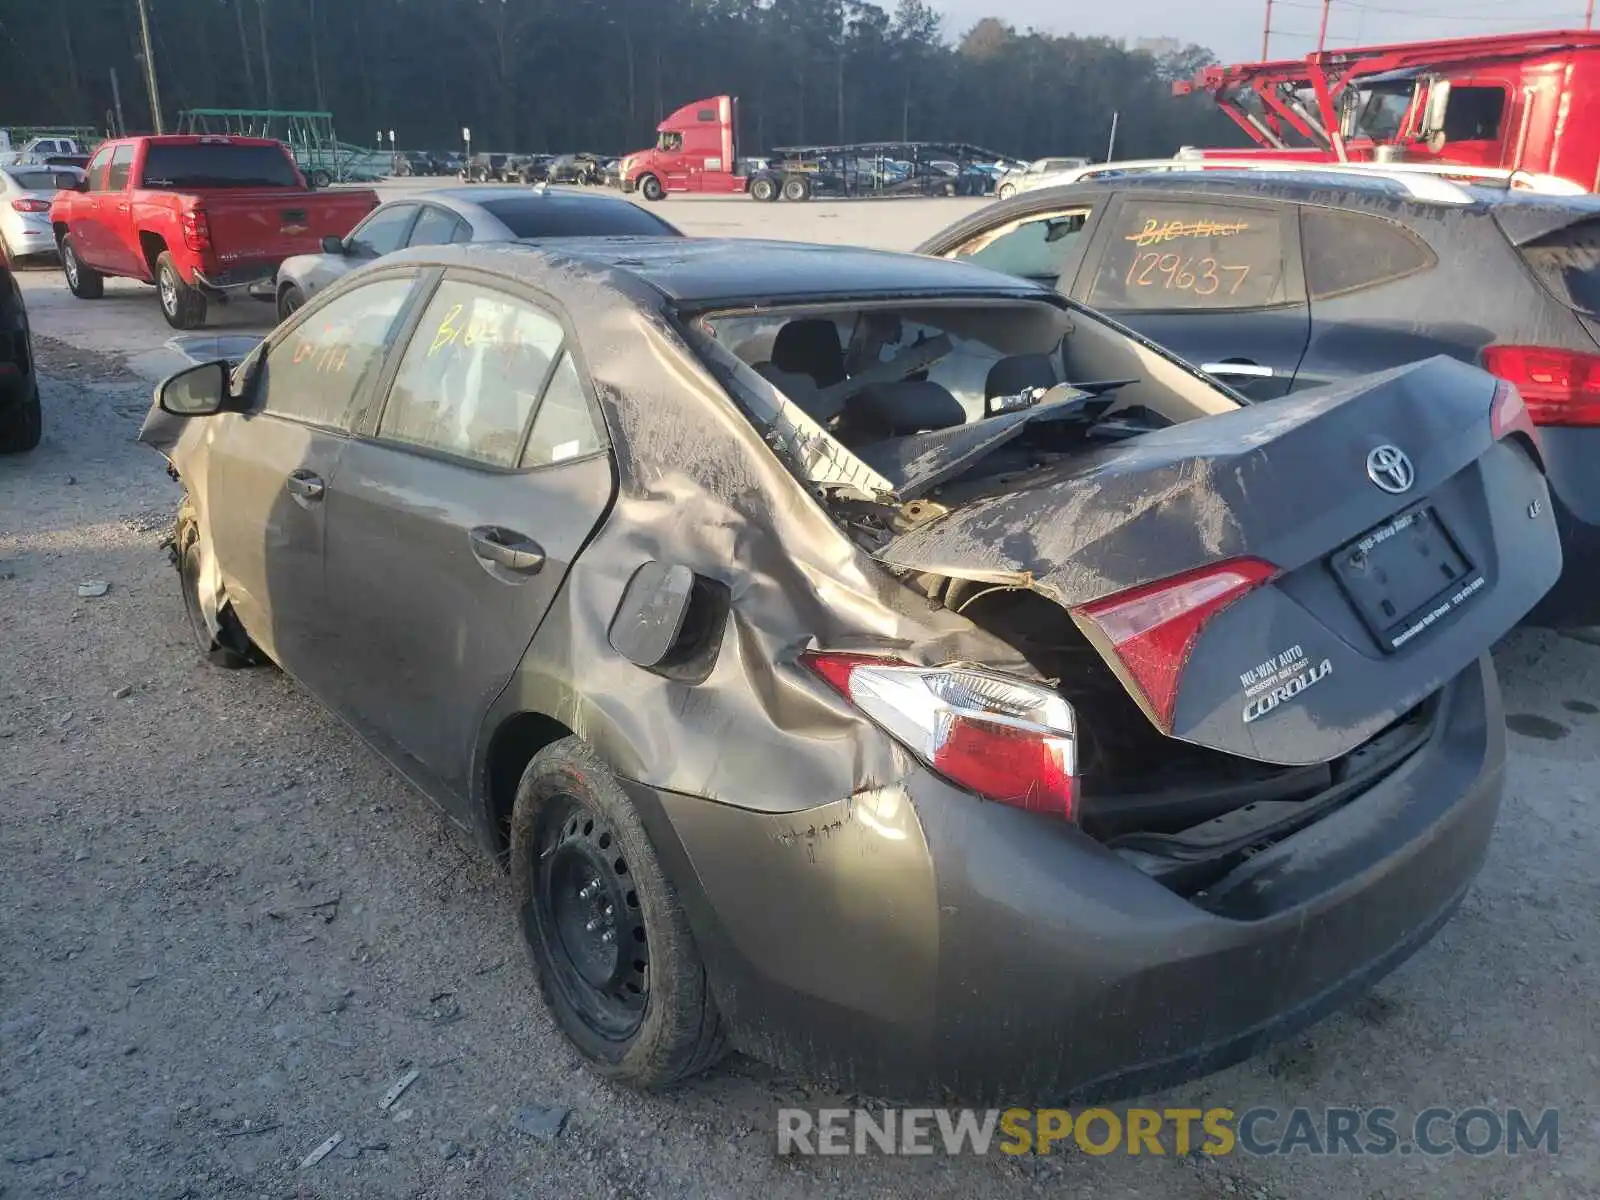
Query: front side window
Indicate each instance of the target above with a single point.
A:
(1172, 255)
(1036, 247)
(322, 371)
(97, 169)
(469, 380)
(670, 141)
(383, 232)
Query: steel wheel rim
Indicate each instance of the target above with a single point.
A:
(589, 921)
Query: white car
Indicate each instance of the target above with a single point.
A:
(25, 196)
(1039, 173)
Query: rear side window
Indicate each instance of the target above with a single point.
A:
(1036, 248)
(217, 165)
(121, 164)
(566, 426)
(469, 380)
(1567, 263)
(434, 227)
(322, 370)
(1348, 252)
(552, 216)
(1166, 255)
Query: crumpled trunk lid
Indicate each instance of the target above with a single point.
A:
(1309, 666)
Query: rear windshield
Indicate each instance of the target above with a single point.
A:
(217, 165)
(535, 216)
(42, 180)
(1567, 262)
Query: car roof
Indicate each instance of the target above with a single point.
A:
(470, 200)
(702, 272)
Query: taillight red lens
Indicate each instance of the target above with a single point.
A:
(1559, 387)
(29, 204)
(1006, 739)
(196, 230)
(1152, 629)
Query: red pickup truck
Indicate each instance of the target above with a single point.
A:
(200, 217)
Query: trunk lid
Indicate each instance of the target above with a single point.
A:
(252, 227)
(1379, 597)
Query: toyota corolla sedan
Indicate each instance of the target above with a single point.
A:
(879, 664)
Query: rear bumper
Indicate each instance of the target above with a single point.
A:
(1570, 455)
(914, 941)
(24, 243)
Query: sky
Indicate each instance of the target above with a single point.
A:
(1232, 28)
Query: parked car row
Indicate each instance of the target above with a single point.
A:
(828, 640)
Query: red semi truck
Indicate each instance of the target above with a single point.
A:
(697, 150)
(1515, 101)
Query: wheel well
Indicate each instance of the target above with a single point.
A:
(514, 744)
(153, 246)
(61, 231)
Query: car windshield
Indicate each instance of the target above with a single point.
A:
(551, 216)
(1382, 112)
(43, 180)
(217, 165)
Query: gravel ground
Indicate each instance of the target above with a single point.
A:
(229, 929)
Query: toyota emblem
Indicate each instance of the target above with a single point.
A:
(1390, 469)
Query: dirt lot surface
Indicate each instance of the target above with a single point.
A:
(226, 929)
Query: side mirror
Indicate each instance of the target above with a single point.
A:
(332, 245)
(1433, 113)
(197, 391)
(1349, 110)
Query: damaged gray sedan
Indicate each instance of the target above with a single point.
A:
(878, 664)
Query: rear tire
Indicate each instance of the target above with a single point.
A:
(636, 1004)
(290, 300)
(26, 427)
(650, 188)
(796, 190)
(764, 190)
(1005, 191)
(321, 179)
(83, 282)
(232, 648)
(183, 306)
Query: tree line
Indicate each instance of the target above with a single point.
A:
(597, 75)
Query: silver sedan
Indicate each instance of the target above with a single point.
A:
(476, 214)
(25, 195)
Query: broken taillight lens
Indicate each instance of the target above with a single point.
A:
(1004, 738)
(1152, 629)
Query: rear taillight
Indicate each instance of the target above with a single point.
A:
(1006, 739)
(29, 204)
(1152, 629)
(196, 230)
(1557, 387)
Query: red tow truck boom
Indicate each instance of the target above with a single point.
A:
(1516, 101)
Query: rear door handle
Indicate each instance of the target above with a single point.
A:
(506, 548)
(1237, 370)
(305, 487)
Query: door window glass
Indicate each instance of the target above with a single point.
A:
(566, 426)
(323, 369)
(97, 170)
(434, 227)
(469, 379)
(1164, 255)
(1347, 252)
(383, 232)
(1035, 247)
(1473, 114)
(121, 163)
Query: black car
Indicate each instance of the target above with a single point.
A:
(21, 421)
(1276, 282)
(575, 168)
(488, 167)
(874, 663)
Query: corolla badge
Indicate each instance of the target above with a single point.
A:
(1391, 469)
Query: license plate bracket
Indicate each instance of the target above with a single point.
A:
(1405, 576)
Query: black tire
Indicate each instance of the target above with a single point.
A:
(321, 179)
(232, 648)
(290, 300)
(650, 188)
(183, 306)
(26, 426)
(652, 1021)
(1005, 191)
(764, 188)
(796, 189)
(83, 282)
